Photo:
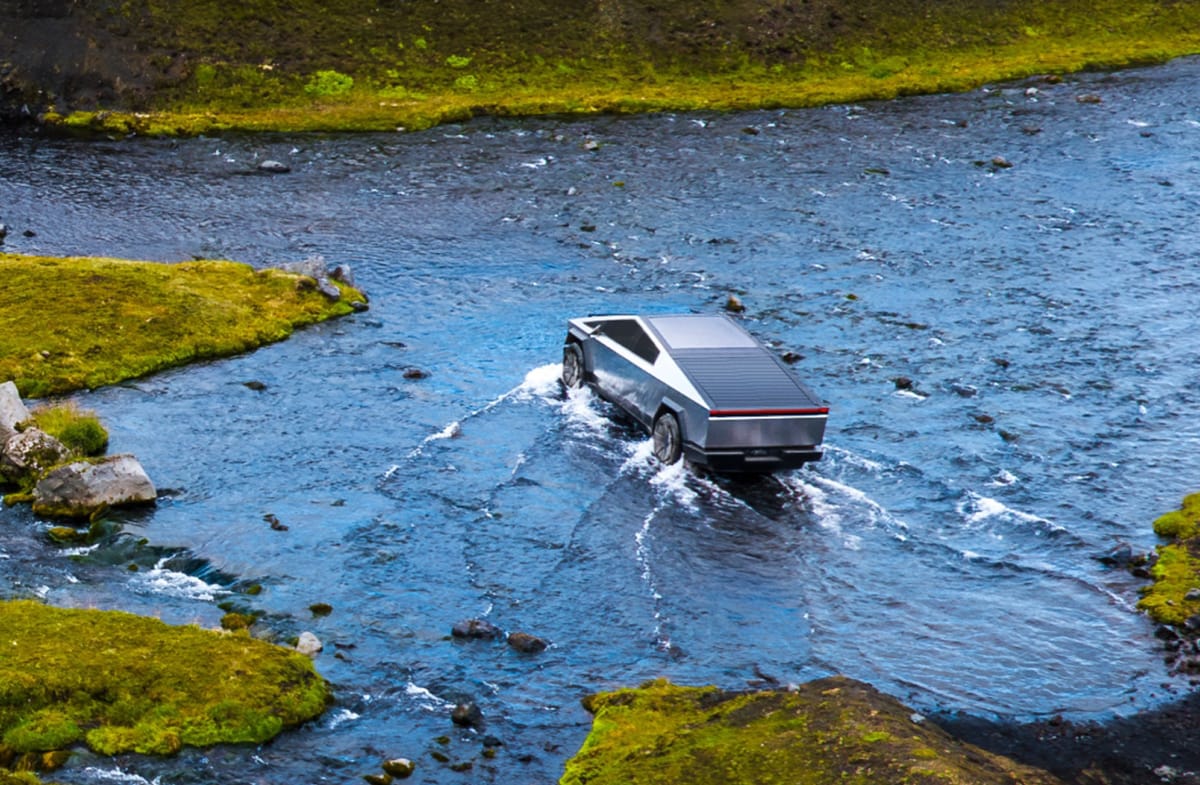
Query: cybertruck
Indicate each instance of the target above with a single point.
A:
(702, 386)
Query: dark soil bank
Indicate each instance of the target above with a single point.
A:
(1151, 747)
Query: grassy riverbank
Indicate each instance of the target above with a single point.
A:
(124, 683)
(74, 323)
(189, 68)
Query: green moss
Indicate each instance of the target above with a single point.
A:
(124, 683)
(73, 323)
(1183, 523)
(237, 621)
(402, 64)
(832, 730)
(1176, 571)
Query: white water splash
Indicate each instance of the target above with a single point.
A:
(1004, 477)
(117, 775)
(342, 717)
(853, 458)
(876, 512)
(426, 699)
(825, 512)
(540, 382)
(976, 509)
(643, 556)
(579, 407)
(160, 580)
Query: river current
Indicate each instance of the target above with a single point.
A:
(1022, 258)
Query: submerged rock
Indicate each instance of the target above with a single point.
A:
(81, 488)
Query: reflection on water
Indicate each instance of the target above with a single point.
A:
(945, 550)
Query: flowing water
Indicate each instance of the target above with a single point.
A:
(1024, 257)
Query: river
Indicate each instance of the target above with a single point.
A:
(1022, 254)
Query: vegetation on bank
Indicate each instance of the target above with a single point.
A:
(1174, 596)
(360, 65)
(74, 323)
(825, 731)
(124, 683)
(79, 430)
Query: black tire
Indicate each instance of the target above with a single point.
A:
(668, 439)
(572, 366)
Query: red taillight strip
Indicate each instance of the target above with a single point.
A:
(765, 412)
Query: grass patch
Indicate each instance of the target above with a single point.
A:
(124, 683)
(80, 431)
(75, 323)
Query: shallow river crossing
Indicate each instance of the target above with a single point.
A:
(1027, 259)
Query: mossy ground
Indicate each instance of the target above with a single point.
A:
(304, 65)
(74, 323)
(828, 731)
(124, 683)
(1176, 573)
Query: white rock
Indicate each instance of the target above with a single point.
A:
(309, 644)
(12, 410)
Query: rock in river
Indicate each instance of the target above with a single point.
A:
(81, 488)
(27, 454)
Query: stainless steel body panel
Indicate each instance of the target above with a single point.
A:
(739, 408)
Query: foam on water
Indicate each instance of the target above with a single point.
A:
(341, 717)
(117, 775)
(977, 509)
(426, 699)
(160, 580)
(540, 382)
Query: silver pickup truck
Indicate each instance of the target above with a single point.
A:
(703, 386)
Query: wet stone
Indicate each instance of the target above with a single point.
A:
(467, 715)
(526, 643)
(477, 629)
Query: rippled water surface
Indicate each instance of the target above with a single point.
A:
(1026, 259)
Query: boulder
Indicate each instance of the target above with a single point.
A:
(476, 629)
(526, 643)
(309, 644)
(399, 767)
(12, 410)
(81, 488)
(27, 454)
(467, 715)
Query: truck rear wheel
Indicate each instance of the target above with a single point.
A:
(668, 440)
